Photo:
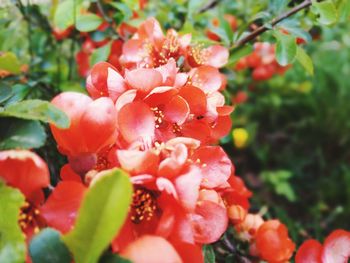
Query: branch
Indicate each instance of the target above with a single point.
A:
(210, 5)
(273, 22)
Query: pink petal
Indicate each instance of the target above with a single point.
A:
(172, 165)
(336, 247)
(189, 142)
(206, 78)
(215, 165)
(151, 30)
(187, 188)
(61, 208)
(98, 124)
(144, 79)
(176, 110)
(309, 252)
(132, 51)
(196, 99)
(136, 122)
(209, 222)
(125, 98)
(138, 162)
(147, 249)
(218, 56)
(167, 186)
(168, 72)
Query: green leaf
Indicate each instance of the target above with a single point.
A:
(21, 134)
(20, 91)
(286, 49)
(64, 13)
(12, 244)
(100, 216)
(113, 258)
(100, 54)
(9, 62)
(279, 180)
(305, 61)
(88, 22)
(209, 255)
(48, 247)
(5, 93)
(327, 12)
(37, 110)
(124, 9)
(293, 27)
(343, 9)
(238, 53)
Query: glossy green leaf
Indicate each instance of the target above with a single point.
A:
(124, 9)
(327, 12)
(5, 93)
(209, 255)
(286, 49)
(305, 60)
(238, 53)
(21, 134)
(100, 217)
(12, 243)
(37, 110)
(100, 54)
(48, 247)
(9, 62)
(88, 22)
(64, 13)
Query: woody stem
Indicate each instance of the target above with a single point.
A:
(273, 22)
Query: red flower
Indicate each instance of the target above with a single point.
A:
(309, 252)
(172, 197)
(273, 243)
(336, 249)
(157, 104)
(60, 209)
(93, 127)
(150, 48)
(26, 171)
(262, 61)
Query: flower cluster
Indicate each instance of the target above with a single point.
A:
(158, 116)
(262, 62)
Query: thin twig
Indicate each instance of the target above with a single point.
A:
(103, 13)
(210, 5)
(273, 22)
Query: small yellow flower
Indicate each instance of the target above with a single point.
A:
(240, 137)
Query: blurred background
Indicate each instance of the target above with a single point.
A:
(290, 140)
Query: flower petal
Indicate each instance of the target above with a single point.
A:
(144, 79)
(24, 170)
(73, 104)
(215, 165)
(218, 56)
(98, 124)
(195, 98)
(138, 162)
(176, 110)
(209, 222)
(309, 252)
(136, 122)
(336, 247)
(105, 81)
(60, 209)
(206, 78)
(146, 249)
(187, 187)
